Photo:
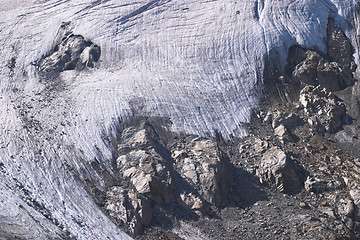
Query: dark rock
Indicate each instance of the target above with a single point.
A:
(292, 121)
(313, 184)
(339, 47)
(315, 70)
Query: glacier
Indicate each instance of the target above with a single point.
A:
(198, 64)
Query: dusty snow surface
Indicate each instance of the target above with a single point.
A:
(197, 63)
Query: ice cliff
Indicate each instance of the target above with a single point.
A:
(198, 64)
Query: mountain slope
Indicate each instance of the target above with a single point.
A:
(197, 64)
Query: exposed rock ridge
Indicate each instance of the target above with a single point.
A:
(74, 52)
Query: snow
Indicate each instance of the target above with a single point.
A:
(197, 63)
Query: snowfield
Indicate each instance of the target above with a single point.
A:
(198, 64)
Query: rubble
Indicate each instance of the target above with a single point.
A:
(325, 112)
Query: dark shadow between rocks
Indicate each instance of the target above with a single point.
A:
(245, 189)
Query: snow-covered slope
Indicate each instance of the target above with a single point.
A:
(197, 63)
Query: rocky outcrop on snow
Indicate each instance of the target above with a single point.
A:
(333, 70)
(143, 179)
(129, 208)
(315, 70)
(146, 170)
(74, 52)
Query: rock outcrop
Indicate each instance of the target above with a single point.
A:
(324, 110)
(201, 163)
(73, 52)
(144, 180)
(191, 175)
(315, 70)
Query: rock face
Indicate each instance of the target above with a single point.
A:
(144, 177)
(149, 174)
(73, 52)
(128, 208)
(143, 166)
(325, 111)
(204, 166)
(315, 70)
(276, 169)
(334, 71)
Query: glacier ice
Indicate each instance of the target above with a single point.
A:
(197, 63)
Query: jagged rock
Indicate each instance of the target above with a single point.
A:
(243, 147)
(190, 201)
(355, 195)
(282, 132)
(268, 117)
(142, 208)
(306, 70)
(339, 47)
(260, 146)
(146, 169)
(313, 184)
(74, 51)
(277, 118)
(276, 169)
(331, 76)
(315, 70)
(346, 208)
(148, 173)
(327, 210)
(127, 207)
(325, 111)
(205, 169)
(115, 204)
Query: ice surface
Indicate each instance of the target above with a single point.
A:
(197, 63)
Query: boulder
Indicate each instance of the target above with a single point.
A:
(355, 195)
(192, 202)
(204, 167)
(332, 75)
(346, 208)
(283, 133)
(278, 170)
(146, 170)
(291, 121)
(148, 173)
(129, 208)
(260, 146)
(306, 70)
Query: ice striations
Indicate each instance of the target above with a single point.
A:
(197, 63)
